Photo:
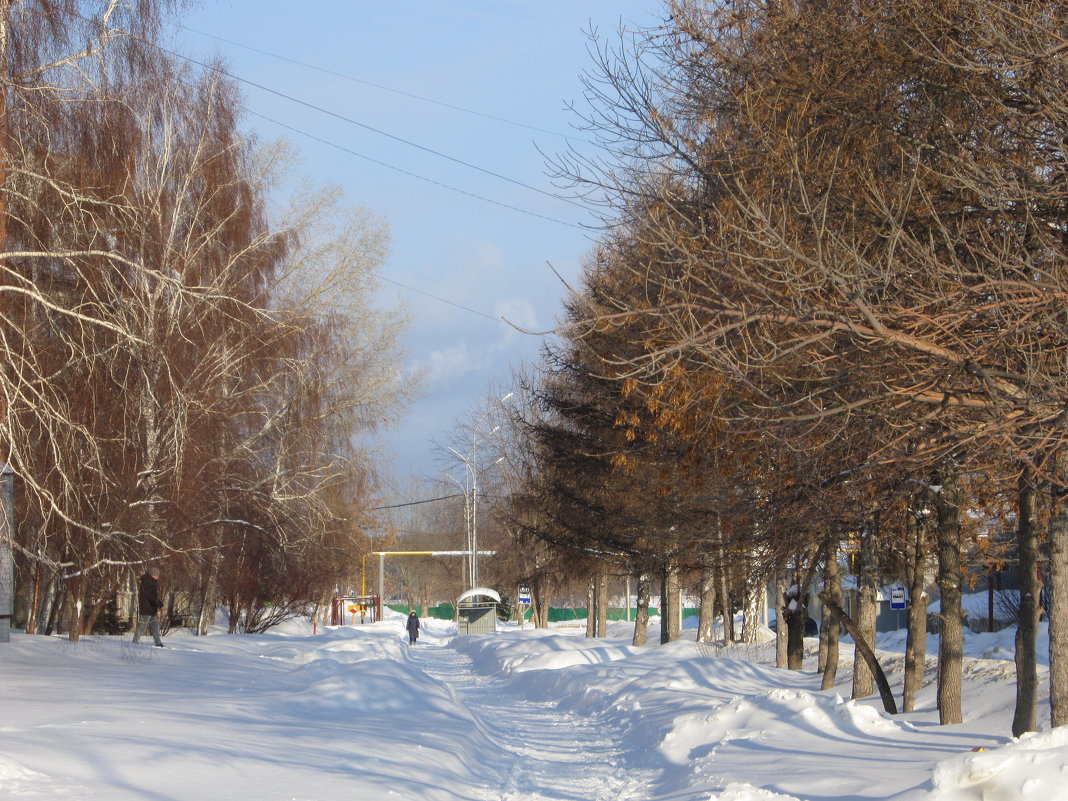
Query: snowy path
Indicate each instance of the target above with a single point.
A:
(545, 754)
(354, 713)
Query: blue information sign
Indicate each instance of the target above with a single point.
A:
(897, 597)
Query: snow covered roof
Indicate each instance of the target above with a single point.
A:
(474, 591)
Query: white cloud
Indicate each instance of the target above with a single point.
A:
(476, 352)
(447, 364)
(519, 313)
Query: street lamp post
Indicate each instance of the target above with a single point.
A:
(474, 506)
(465, 488)
(472, 499)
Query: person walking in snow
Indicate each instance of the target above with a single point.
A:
(413, 627)
(148, 606)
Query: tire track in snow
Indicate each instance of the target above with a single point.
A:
(547, 754)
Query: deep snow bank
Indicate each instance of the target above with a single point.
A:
(740, 731)
(1031, 768)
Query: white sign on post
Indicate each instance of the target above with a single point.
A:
(523, 599)
(897, 597)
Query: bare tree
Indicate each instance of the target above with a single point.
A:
(200, 369)
(854, 217)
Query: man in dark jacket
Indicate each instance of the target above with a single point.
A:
(148, 606)
(413, 627)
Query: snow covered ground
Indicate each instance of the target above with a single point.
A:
(354, 713)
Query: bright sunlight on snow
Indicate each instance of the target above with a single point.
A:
(355, 713)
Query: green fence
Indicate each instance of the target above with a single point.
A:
(557, 614)
(440, 612)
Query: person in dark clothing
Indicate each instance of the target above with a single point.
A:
(148, 606)
(413, 627)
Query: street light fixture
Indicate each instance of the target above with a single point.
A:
(472, 483)
(466, 490)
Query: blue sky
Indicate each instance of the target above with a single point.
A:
(516, 59)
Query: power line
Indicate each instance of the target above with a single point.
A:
(401, 170)
(416, 503)
(383, 87)
(371, 128)
(411, 174)
(370, 159)
(435, 297)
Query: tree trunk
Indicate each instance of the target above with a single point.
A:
(206, 597)
(1024, 717)
(706, 622)
(591, 610)
(234, 614)
(826, 620)
(1058, 620)
(670, 600)
(951, 639)
(35, 599)
(91, 612)
(540, 602)
(780, 621)
(74, 607)
(866, 653)
(829, 634)
(724, 592)
(541, 609)
(204, 620)
(795, 615)
(916, 638)
(59, 602)
(602, 603)
(41, 619)
(41, 598)
(641, 611)
(751, 613)
(867, 597)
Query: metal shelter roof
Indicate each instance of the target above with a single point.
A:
(471, 593)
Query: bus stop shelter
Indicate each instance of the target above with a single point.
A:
(476, 611)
